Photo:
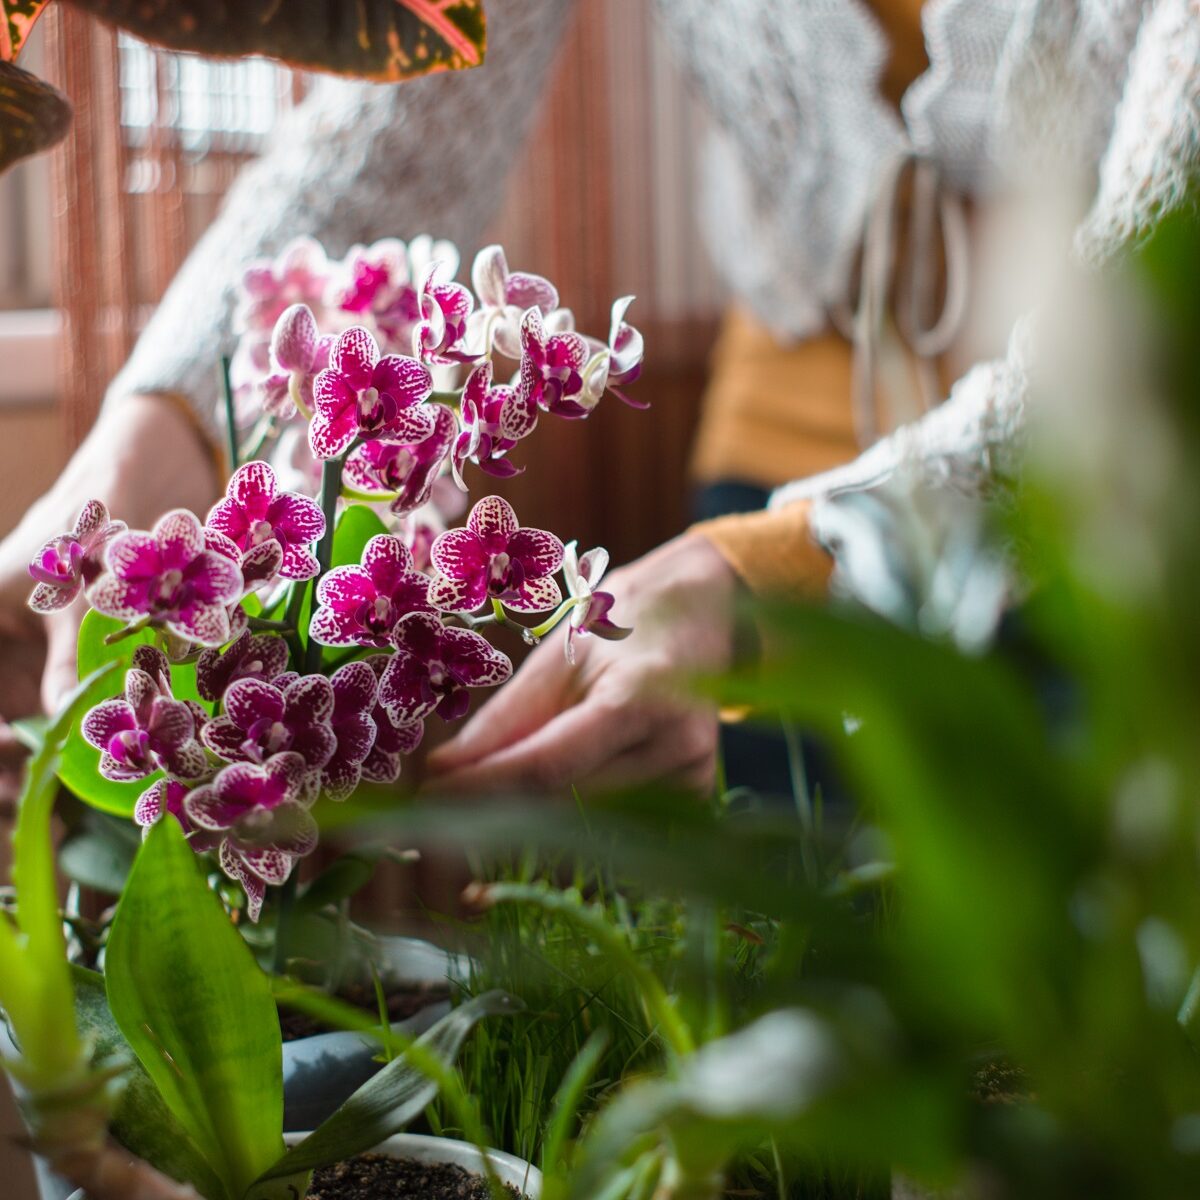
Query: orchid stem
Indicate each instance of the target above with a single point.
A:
(262, 623)
(283, 924)
(113, 638)
(331, 487)
(230, 422)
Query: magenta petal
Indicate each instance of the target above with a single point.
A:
(48, 598)
(330, 628)
(92, 518)
(539, 552)
(355, 688)
(294, 339)
(527, 291)
(331, 436)
(459, 554)
(309, 699)
(213, 578)
(344, 588)
(492, 516)
(332, 394)
(105, 721)
(208, 810)
(187, 761)
(270, 865)
(384, 549)
(134, 555)
(180, 537)
(114, 597)
(535, 595)
(404, 689)
(300, 518)
(457, 595)
(340, 778)
(225, 738)
(170, 723)
(254, 887)
(287, 773)
(355, 355)
(473, 660)
(251, 700)
(252, 487)
(406, 380)
(298, 563)
(207, 625)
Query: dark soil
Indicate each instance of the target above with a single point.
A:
(376, 1177)
(401, 1004)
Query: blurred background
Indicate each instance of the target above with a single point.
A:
(91, 235)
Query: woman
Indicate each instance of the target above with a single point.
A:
(809, 164)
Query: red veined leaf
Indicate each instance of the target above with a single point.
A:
(384, 40)
(33, 115)
(17, 18)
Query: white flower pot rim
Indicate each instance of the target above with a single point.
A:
(527, 1179)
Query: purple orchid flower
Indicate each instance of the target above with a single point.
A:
(434, 666)
(251, 656)
(72, 561)
(446, 307)
(146, 729)
(298, 275)
(265, 826)
(406, 471)
(393, 740)
(254, 512)
(493, 558)
(171, 578)
(165, 797)
(504, 296)
(619, 363)
(494, 419)
(290, 714)
(551, 368)
(381, 285)
(359, 606)
(259, 565)
(298, 355)
(590, 615)
(355, 699)
(362, 395)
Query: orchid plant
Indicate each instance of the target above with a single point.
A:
(291, 647)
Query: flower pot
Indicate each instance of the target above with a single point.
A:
(515, 1172)
(321, 1071)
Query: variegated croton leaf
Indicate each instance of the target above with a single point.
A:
(33, 115)
(386, 40)
(17, 18)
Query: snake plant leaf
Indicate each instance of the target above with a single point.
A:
(17, 19)
(142, 1122)
(33, 115)
(384, 40)
(197, 1010)
(387, 1102)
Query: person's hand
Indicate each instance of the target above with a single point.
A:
(621, 715)
(142, 458)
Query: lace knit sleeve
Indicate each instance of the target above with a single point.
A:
(353, 163)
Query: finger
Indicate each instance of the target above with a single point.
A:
(534, 695)
(61, 672)
(569, 747)
(681, 749)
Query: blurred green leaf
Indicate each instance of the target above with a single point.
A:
(197, 1010)
(386, 40)
(99, 853)
(36, 115)
(142, 1122)
(343, 878)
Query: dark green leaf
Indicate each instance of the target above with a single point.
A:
(344, 878)
(17, 18)
(386, 40)
(385, 1104)
(99, 854)
(197, 1010)
(33, 115)
(142, 1123)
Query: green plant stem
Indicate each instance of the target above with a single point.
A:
(231, 445)
(283, 923)
(673, 1028)
(802, 797)
(113, 638)
(261, 623)
(331, 487)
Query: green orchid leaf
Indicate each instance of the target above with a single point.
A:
(345, 877)
(17, 19)
(197, 1010)
(386, 1103)
(142, 1122)
(384, 40)
(93, 651)
(36, 115)
(99, 852)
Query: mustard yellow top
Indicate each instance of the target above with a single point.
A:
(773, 413)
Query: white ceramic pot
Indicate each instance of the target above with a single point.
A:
(419, 1147)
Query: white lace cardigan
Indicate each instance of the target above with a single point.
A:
(803, 139)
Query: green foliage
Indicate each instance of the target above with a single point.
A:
(36, 115)
(384, 40)
(197, 1010)
(141, 1119)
